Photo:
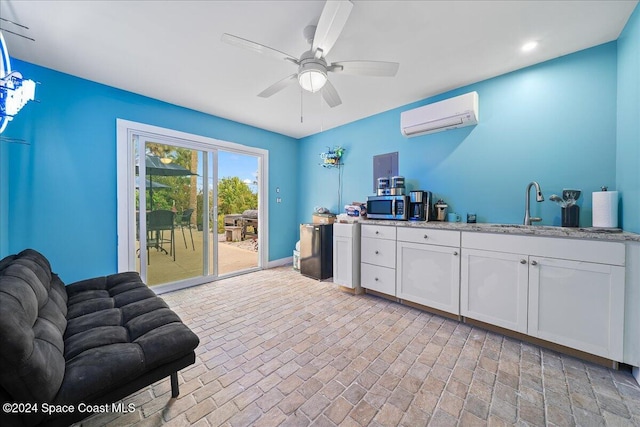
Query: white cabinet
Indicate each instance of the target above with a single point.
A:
(577, 304)
(378, 258)
(494, 288)
(570, 292)
(428, 272)
(346, 255)
(632, 314)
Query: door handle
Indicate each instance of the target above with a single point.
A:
(534, 262)
(523, 261)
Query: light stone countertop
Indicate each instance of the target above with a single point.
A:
(530, 230)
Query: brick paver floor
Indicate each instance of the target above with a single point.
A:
(279, 349)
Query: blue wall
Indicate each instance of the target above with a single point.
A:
(554, 122)
(4, 197)
(61, 188)
(628, 139)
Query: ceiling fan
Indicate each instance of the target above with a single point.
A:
(312, 65)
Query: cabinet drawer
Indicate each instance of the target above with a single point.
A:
(379, 252)
(552, 247)
(430, 236)
(379, 231)
(379, 279)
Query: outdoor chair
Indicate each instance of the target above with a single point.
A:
(157, 223)
(185, 221)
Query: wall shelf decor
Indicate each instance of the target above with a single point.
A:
(332, 157)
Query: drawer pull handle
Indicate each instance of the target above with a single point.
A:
(377, 232)
(426, 237)
(534, 262)
(523, 261)
(376, 279)
(455, 253)
(377, 252)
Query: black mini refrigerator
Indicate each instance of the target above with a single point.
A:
(316, 250)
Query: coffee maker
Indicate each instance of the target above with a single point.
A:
(420, 206)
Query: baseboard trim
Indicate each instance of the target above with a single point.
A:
(432, 310)
(280, 262)
(598, 360)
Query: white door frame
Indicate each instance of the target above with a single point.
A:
(125, 164)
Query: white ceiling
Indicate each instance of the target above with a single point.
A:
(171, 50)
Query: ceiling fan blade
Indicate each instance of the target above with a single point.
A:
(332, 20)
(330, 95)
(257, 47)
(365, 68)
(278, 86)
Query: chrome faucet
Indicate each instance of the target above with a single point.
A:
(539, 198)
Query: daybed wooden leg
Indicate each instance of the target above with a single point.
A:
(175, 391)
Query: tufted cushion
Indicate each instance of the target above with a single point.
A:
(76, 343)
(117, 330)
(33, 306)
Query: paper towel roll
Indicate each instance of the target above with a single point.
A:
(605, 209)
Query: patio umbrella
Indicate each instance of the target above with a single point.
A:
(150, 184)
(155, 167)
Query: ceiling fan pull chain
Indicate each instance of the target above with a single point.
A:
(301, 119)
(321, 116)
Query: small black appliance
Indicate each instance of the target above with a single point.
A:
(316, 250)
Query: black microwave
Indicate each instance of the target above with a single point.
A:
(388, 207)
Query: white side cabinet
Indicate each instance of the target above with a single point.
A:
(570, 292)
(378, 258)
(346, 255)
(428, 268)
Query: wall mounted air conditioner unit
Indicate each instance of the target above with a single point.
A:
(451, 113)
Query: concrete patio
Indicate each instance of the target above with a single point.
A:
(232, 257)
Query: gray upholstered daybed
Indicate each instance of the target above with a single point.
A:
(93, 342)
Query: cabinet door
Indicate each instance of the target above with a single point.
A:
(493, 288)
(429, 275)
(342, 261)
(577, 304)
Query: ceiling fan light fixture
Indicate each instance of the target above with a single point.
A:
(312, 76)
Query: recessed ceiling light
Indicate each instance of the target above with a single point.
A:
(529, 46)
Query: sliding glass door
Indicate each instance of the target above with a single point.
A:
(238, 213)
(172, 246)
(195, 208)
